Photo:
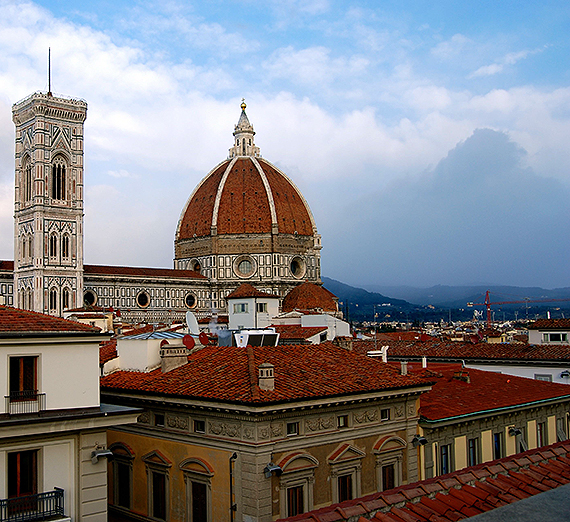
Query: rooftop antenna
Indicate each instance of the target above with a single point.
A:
(49, 72)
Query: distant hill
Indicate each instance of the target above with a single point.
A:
(408, 304)
(458, 296)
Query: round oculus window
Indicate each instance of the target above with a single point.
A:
(143, 299)
(245, 267)
(190, 300)
(89, 298)
(297, 267)
(196, 266)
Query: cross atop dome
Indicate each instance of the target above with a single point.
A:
(243, 136)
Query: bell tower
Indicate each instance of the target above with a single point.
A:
(48, 207)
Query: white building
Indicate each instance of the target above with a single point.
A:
(52, 424)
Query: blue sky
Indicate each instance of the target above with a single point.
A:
(429, 138)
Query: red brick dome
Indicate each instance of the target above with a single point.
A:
(310, 297)
(245, 195)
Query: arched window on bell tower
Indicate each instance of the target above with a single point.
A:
(52, 246)
(58, 179)
(65, 247)
(53, 300)
(65, 299)
(27, 182)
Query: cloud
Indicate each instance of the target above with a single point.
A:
(499, 66)
(451, 48)
(463, 222)
(121, 174)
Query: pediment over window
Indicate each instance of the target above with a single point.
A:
(346, 452)
(157, 458)
(298, 461)
(389, 443)
(197, 465)
(120, 449)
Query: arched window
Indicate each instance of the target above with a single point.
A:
(53, 300)
(30, 247)
(24, 244)
(29, 299)
(65, 247)
(53, 245)
(27, 181)
(58, 179)
(65, 299)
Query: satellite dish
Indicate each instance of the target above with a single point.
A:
(188, 341)
(192, 323)
(204, 339)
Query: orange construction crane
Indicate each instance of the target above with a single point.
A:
(488, 304)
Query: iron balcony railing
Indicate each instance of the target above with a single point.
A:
(32, 507)
(29, 401)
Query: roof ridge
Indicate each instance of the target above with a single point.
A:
(252, 379)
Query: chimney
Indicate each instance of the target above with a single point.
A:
(384, 351)
(172, 356)
(424, 362)
(404, 368)
(266, 377)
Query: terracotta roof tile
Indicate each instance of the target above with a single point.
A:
(451, 396)
(296, 331)
(14, 320)
(248, 290)
(129, 271)
(463, 501)
(108, 351)
(301, 371)
(550, 324)
(443, 350)
(309, 296)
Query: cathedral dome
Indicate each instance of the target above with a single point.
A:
(247, 220)
(245, 194)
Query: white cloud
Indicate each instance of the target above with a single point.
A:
(451, 48)
(499, 66)
(121, 174)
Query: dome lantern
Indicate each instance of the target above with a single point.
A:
(243, 137)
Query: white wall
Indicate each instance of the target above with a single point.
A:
(528, 371)
(68, 372)
(336, 327)
(56, 468)
(139, 354)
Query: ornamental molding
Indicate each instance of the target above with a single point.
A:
(320, 423)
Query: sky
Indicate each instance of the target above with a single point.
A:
(430, 139)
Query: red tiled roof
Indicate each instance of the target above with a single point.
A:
(404, 335)
(14, 320)
(309, 296)
(550, 324)
(136, 331)
(140, 272)
(296, 331)
(439, 349)
(461, 391)
(7, 265)
(248, 290)
(301, 371)
(458, 495)
(108, 351)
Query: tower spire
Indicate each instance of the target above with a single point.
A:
(243, 136)
(49, 71)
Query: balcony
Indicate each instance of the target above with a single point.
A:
(42, 506)
(22, 402)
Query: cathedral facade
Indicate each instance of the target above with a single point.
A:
(246, 221)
